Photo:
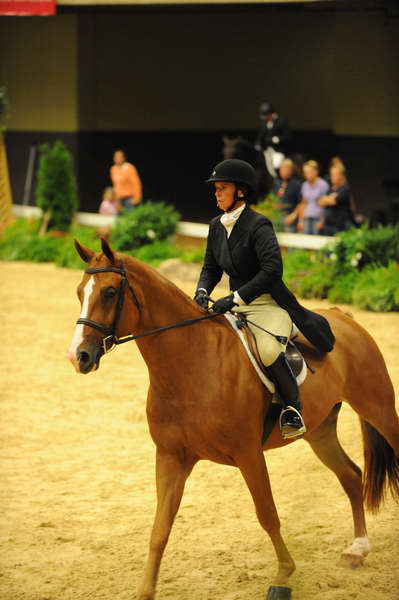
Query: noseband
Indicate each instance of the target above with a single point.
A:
(110, 339)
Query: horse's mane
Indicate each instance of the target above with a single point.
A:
(140, 269)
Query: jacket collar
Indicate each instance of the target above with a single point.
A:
(239, 227)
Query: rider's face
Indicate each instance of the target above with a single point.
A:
(224, 192)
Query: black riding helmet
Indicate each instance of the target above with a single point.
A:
(235, 171)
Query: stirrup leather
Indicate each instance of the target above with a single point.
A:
(295, 432)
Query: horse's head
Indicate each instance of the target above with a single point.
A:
(106, 298)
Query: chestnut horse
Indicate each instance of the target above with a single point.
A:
(205, 400)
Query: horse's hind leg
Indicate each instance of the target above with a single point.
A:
(325, 444)
(172, 471)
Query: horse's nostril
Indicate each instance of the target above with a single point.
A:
(84, 357)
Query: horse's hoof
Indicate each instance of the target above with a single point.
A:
(353, 560)
(278, 592)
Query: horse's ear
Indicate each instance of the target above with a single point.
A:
(85, 253)
(109, 253)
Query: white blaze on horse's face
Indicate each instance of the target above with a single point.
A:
(78, 334)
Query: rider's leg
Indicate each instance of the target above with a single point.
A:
(291, 421)
(265, 312)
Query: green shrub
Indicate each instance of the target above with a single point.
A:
(377, 289)
(148, 223)
(155, 253)
(269, 208)
(317, 281)
(20, 241)
(66, 253)
(360, 247)
(342, 287)
(297, 264)
(56, 186)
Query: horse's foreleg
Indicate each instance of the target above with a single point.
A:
(172, 471)
(326, 446)
(253, 468)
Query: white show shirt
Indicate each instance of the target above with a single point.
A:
(228, 220)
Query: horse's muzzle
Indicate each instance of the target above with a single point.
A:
(87, 356)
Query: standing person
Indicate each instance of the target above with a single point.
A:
(309, 210)
(126, 181)
(287, 188)
(272, 137)
(337, 203)
(243, 244)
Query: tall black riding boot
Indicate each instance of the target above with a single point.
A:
(291, 422)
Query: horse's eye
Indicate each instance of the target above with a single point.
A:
(110, 292)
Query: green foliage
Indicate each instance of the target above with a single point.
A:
(66, 255)
(148, 223)
(21, 242)
(360, 247)
(317, 281)
(297, 263)
(269, 208)
(377, 289)
(56, 186)
(342, 287)
(155, 253)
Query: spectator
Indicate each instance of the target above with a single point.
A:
(126, 181)
(272, 137)
(109, 204)
(287, 188)
(337, 202)
(308, 212)
(335, 161)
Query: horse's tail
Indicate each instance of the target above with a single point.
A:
(381, 468)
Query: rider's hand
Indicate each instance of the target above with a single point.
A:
(224, 304)
(201, 298)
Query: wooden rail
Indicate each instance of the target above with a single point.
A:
(197, 231)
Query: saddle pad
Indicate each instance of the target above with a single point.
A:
(265, 380)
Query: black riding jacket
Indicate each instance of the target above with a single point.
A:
(251, 257)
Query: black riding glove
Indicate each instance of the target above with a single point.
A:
(224, 304)
(201, 298)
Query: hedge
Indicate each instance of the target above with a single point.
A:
(361, 269)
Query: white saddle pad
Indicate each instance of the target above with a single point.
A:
(265, 380)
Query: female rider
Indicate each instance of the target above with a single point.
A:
(243, 244)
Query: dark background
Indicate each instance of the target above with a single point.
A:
(166, 83)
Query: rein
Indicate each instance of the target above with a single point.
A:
(111, 339)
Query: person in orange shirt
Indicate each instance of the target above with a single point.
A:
(126, 181)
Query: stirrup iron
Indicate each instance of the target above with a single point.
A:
(294, 432)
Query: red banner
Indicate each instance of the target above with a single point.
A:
(27, 7)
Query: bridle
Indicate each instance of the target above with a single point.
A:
(110, 339)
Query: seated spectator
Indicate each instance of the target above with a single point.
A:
(337, 203)
(287, 188)
(308, 212)
(109, 204)
(126, 181)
